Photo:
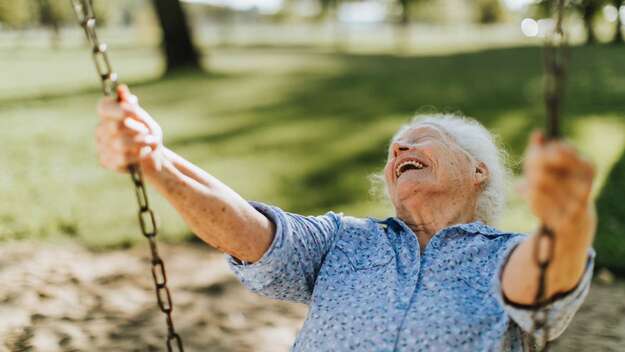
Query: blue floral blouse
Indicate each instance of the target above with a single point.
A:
(371, 288)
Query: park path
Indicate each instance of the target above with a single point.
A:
(66, 298)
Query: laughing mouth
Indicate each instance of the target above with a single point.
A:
(408, 165)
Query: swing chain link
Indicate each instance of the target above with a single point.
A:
(556, 56)
(147, 219)
(540, 316)
(86, 17)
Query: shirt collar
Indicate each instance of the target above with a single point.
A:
(476, 227)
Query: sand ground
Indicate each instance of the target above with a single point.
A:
(66, 298)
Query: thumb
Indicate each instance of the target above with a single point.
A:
(124, 95)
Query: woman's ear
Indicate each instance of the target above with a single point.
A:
(481, 174)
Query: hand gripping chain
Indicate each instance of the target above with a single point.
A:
(555, 60)
(147, 221)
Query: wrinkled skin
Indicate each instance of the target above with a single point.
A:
(557, 187)
(444, 192)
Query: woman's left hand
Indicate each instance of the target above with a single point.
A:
(558, 184)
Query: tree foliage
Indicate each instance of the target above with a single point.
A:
(489, 11)
(48, 13)
(618, 33)
(610, 241)
(587, 9)
(16, 14)
(327, 7)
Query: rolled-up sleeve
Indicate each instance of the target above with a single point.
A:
(560, 310)
(289, 267)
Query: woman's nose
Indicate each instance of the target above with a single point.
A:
(400, 147)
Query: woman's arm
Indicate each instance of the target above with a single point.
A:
(213, 211)
(559, 183)
(520, 275)
(218, 215)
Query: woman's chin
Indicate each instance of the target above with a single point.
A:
(407, 190)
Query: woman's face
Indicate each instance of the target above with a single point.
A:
(424, 162)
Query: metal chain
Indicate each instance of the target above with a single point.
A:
(555, 60)
(147, 220)
(540, 316)
(556, 57)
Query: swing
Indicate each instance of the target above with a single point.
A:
(555, 60)
(147, 220)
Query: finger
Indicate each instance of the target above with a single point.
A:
(560, 151)
(123, 93)
(571, 187)
(106, 132)
(131, 145)
(145, 151)
(554, 174)
(111, 130)
(136, 112)
(131, 99)
(113, 162)
(149, 141)
(108, 108)
(121, 152)
(555, 153)
(135, 126)
(567, 175)
(566, 160)
(555, 207)
(573, 192)
(105, 128)
(142, 141)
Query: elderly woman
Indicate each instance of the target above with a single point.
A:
(435, 277)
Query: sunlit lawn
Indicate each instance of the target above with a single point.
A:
(300, 129)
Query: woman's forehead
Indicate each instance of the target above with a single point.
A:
(420, 131)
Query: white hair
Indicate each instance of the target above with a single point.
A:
(476, 140)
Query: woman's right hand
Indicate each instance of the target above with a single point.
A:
(127, 135)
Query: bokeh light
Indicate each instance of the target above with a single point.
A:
(529, 27)
(610, 13)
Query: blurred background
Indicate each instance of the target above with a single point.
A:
(290, 102)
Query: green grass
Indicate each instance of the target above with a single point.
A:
(300, 129)
(610, 242)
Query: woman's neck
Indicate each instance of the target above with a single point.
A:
(425, 223)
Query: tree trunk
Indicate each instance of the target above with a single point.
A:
(588, 14)
(48, 18)
(405, 12)
(618, 34)
(176, 43)
(402, 32)
(327, 6)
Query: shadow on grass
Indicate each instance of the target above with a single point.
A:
(324, 130)
(185, 76)
(488, 85)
